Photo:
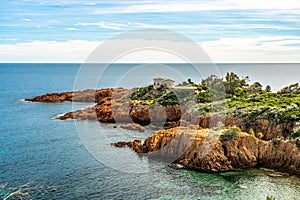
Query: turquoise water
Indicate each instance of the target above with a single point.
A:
(36, 148)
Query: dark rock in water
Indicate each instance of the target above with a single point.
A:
(136, 145)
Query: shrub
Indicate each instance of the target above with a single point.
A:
(231, 133)
(251, 131)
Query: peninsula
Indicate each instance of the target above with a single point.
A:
(248, 125)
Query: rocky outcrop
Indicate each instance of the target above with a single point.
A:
(133, 127)
(112, 110)
(202, 150)
(136, 145)
(88, 95)
(53, 97)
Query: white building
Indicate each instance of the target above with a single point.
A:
(157, 82)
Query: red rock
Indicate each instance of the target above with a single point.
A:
(134, 127)
(246, 151)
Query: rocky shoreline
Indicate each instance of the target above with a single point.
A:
(259, 149)
(215, 155)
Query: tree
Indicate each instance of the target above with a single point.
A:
(268, 88)
(190, 81)
(211, 89)
(213, 82)
(233, 83)
(255, 88)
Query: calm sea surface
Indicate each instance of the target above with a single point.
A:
(34, 147)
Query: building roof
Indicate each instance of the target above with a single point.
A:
(163, 79)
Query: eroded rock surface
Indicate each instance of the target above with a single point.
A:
(202, 150)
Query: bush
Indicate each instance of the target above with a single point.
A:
(251, 131)
(231, 133)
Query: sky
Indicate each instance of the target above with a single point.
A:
(228, 30)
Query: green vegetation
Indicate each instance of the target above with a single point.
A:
(234, 85)
(150, 96)
(270, 198)
(251, 131)
(231, 133)
(162, 96)
(275, 107)
(232, 96)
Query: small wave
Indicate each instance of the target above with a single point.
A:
(59, 115)
(24, 101)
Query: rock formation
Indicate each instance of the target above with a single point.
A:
(132, 126)
(190, 144)
(204, 151)
(88, 95)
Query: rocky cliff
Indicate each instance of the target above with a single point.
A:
(203, 150)
(105, 111)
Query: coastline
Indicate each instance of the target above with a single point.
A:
(104, 111)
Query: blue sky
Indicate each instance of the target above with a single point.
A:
(230, 31)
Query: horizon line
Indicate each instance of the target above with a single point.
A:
(151, 63)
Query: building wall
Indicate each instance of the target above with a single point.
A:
(165, 83)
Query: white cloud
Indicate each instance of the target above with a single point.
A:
(105, 25)
(71, 29)
(89, 3)
(214, 26)
(260, 49)
(8, 39)
(178, 6)
(47, 51)
(26, 20)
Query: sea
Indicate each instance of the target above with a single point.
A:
(59, 163)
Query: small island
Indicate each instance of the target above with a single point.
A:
(248, 125)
